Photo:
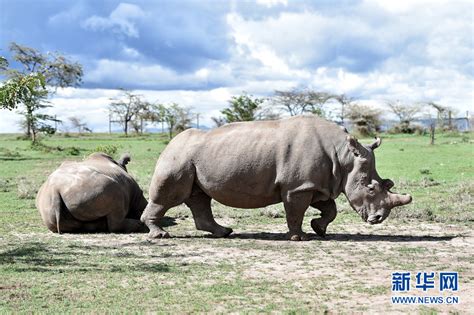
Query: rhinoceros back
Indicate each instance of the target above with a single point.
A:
(251, 164)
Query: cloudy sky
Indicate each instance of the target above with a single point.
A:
(200, 53)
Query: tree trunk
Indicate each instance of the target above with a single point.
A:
(29, 121)
(170, 131)
(33, 134)
(432, 133)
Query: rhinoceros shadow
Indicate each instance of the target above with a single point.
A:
(348, 237)
(42, 257)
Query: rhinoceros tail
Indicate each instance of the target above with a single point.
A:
(57, 205)
(124, 159)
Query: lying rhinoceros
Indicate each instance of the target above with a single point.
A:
(301, 161)
(95, 195)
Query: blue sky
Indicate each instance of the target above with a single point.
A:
(200, 53)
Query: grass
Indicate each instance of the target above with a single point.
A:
(255, 270)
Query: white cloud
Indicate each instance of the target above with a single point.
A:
(374, 50)
(92, 105)
(419, 52)
(130, 52)
(121, 20)
(404, 6)
(272, 3)
(123, 73)
(67, 16)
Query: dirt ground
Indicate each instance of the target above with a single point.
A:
(348, 271)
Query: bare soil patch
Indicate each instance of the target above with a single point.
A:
(350, 269)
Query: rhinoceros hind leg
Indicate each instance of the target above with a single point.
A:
(328, 214)
(151, 217)
(200, 205)
(295, 207)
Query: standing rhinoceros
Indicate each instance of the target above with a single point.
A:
(301, 161)
(95, 195)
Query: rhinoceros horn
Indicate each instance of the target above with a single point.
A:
(400, 200)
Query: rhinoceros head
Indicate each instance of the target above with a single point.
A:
(368, 194)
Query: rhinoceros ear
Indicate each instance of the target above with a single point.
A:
(387, 184)
(353, 145)
(376, 143)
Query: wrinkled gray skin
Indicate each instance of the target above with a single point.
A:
(301, 161)
(95, 195)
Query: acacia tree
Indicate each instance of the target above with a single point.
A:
(365, 119)
(441, 115)
(298, 102)
(177, 118)
(40, 75)
(127, 108)
(219, 121)
(344, 101)
(142, 115)
(79, 124)
(406, 113)
(242, 108)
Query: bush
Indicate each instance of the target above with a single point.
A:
(108, 149)
(425, 171)
(9, 153)
(26, 188)
(73, 151)
(366, 120)
(407, 129)
(4, 185)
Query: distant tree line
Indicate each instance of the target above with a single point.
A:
(365, 119)
(29, 86)
(132, 110)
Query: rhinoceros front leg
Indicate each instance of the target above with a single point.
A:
(151, 217)
(296, 205)
(328, 214)
(200, 205)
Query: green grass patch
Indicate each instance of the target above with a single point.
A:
(256, 271)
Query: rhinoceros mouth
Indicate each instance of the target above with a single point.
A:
(362, 211)
(375, 219)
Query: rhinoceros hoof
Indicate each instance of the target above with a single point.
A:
(224, 232)
(298, 237)
(158, 234)
(319, 231)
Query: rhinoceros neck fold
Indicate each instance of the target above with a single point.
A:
(344, 161)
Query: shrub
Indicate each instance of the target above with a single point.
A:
(407, 129)
(73, 151)
(9, 153)
(4, 185)
(26, 188)
(108, 149)
(365, 119)
(425, 171)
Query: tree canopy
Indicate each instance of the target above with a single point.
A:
(30, 86)
(298, 102)
(242, 108)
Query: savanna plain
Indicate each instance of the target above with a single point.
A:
(254, 270)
